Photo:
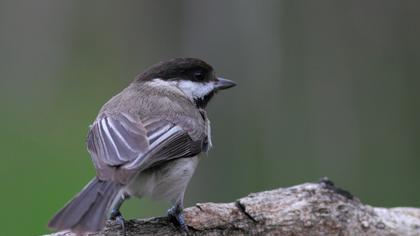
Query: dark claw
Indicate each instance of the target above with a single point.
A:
(117, 216)
(177, 218)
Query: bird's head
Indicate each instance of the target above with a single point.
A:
(194, 77)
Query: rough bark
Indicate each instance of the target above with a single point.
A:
(306, 209)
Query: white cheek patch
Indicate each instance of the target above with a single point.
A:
(188, 88)
(165, 85)
(161, 83)
(195, 89)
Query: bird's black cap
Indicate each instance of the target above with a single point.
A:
(179, 69)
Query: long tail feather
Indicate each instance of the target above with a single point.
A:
(87, 212)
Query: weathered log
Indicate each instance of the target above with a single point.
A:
(306, 209)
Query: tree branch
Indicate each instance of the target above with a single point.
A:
(306, 209)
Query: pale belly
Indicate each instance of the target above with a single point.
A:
(165, 182)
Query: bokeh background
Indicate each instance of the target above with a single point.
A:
(326, 88)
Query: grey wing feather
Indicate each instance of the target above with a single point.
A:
(172, 144)
(125, 145)
(116, 141)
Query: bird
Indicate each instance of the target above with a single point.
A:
(146, 141)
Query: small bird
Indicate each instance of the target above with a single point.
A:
(145, 142)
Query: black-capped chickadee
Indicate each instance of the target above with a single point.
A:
(145, 141)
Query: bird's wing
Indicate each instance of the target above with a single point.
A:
(121, 146)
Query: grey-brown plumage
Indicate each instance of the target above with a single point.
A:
(145, 142)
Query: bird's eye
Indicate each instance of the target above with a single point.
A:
(198, 75)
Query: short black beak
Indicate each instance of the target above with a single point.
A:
(224, 83)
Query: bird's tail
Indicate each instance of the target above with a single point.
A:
(87, 212)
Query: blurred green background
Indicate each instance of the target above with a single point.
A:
(326, 88)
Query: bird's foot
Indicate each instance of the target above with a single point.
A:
(177, 218)
(117, 216)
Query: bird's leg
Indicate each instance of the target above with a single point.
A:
(177, 217)
(116, 214)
